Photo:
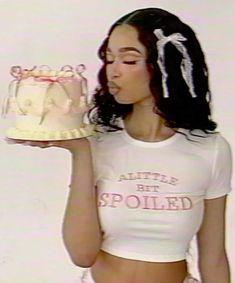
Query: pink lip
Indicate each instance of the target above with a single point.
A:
(114, 88)
(112, 85)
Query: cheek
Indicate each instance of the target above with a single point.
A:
(139, 76)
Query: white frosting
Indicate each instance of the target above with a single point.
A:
(48, 105)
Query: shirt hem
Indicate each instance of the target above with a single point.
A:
(142, 257)
(217, 195)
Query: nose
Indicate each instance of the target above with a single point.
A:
(113, 70)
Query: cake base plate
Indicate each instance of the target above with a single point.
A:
(19, 134)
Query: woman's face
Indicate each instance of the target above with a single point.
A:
(126, 69)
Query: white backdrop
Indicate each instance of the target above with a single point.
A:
(34, 182)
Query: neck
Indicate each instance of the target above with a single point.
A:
(144, 124)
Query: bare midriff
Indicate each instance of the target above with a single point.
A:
(112, 269)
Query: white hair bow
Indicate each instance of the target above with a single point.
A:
(186, 64)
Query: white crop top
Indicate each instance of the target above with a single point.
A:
(150, 194)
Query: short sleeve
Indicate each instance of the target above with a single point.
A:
(220, 184)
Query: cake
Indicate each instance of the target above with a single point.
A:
(47, 104)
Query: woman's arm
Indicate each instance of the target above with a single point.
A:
(213, 261)
(81, 229)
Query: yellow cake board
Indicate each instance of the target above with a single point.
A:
(15, 133)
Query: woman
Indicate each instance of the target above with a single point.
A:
(159, 173)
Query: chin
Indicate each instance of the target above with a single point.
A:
(120, 101)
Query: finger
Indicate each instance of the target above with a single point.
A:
(41, 144)
(36, 144)
(51, 143)
(57, 143)
(13, 141)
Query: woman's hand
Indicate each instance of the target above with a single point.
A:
(72, 145)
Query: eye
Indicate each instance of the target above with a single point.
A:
(130, 62)
(108, 61)
(124, 62)
(124, 59)
(129, 59)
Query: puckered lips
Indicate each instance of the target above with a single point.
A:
(113, 87)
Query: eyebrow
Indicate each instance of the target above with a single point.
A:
(125, 49)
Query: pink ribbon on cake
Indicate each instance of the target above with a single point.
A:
(20, 73)
(53, 79)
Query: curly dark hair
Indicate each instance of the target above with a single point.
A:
(180, 109)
